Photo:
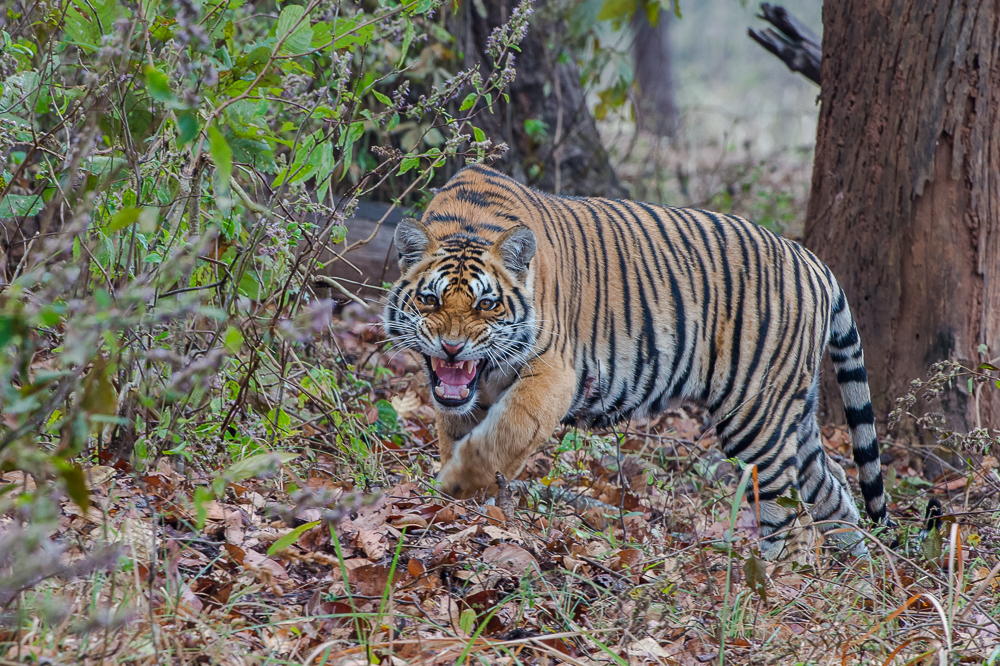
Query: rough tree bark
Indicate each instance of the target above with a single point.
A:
(571, 160)
(654, 74)
(905, 203)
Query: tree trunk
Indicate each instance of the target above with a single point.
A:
(905, 204)
(568, 157)
(654, 74)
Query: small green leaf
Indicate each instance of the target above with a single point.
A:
(420, 7)
(468, 102)
(536, 129)
(259, 464)
(123, 218)
(201, 499)
(988, 366)
(349, 31)
(617, 10)
(407, 39)
(480, 134)
(298, 38)
(382, 98)
(466, 620)
(188, 126)
(653, 13)
(222, 156)
(11, 325)
(290, 538)
(76, 484)
(408, 163)
(387, 416)
(99, 395)
(233, 340)
(353, 134)
(19, 205)
(158, 85)
(787, 502)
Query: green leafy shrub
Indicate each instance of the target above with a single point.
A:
(171, 173)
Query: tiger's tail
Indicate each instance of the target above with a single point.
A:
(844, 345)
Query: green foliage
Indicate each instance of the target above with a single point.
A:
(174, 170)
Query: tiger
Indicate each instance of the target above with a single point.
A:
(532, 310)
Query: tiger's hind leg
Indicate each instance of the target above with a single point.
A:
(823, 485)
(755, 434)
(775, 522)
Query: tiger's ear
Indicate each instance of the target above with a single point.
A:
(413, 241)
(516, 248)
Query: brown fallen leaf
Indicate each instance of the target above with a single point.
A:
(373, 543)
(406, 403)
(218, 511)
(459, 537)
(627, 558)
(647, 647)
(408, 520)
(236, 554)
(510, 557)
(234, 528)
(946, 486)
(355, 562)
(189, 602)
(97, 475)
(371, 579)
(494, 515)
(258, 561)
(574, 565)
(500, 534)
(449, 514)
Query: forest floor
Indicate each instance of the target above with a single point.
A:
(643, 559)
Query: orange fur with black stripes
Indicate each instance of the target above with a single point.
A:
(532, 310)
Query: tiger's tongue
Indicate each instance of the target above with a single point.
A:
(454, 377)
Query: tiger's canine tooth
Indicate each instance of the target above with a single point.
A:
(464, 393)
(439, 390)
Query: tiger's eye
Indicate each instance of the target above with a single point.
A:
(486, 304)
(429, 299)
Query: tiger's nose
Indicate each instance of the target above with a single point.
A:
(452, 348)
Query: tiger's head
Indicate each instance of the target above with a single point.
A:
(465, 303)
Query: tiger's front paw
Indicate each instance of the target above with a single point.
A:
(463, 478)
(456, 482)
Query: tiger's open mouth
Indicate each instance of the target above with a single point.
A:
(453, 384)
